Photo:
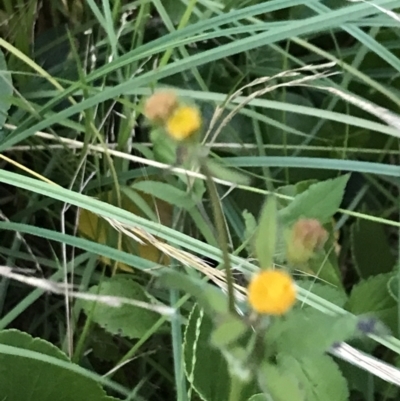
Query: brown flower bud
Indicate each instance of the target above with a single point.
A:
(160, 106)
(304, 238)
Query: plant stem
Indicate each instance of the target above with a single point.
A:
(222, 235)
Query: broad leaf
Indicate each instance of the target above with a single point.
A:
(325, 291)
(319, 377)
(372, 296)
(206, 367)
(127, 320)
(282, 385)
(371, 251)
(308, 332)
(321, 201)
(30, 379)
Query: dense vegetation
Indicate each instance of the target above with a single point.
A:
(128, 237)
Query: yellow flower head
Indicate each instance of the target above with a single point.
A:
(160, 106)
(272, 292)
(184, 122)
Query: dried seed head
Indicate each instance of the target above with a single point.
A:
(160, 106)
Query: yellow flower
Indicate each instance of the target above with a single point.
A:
(271, 292)
(184, 122)
(160, 106)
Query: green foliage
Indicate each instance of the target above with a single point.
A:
(328, 292)
(265, 240)
(309, 333)
(371, 251)
(264, 119)
(320, 201)
(201, 359)
(166, 192)
(127, 320)
(22, 377)
(372, 297)
(6, 90)
(317, 377)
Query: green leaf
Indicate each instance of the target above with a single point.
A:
(308, 332)
(163, 147)
(325, 291)
(212, 299)
(127, 320)
(166, 192)
(205, 366)
(321, 201)
(26, 378)
(227, 174)
(293, 190)
(371, 251)
(201, 359)
(282, 385)
(6, 89)
(265, 239)
(227, 331)
(372, 297)
(325, 268)
(319, 377)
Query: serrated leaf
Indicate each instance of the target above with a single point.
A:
(328, 292)
(201, 359)
(282, 385)
(265, 240)
(321, 201)
(308, 332)
(293, 190)
(6, 90)
(372, 296)
(127, 320)
(319, 376)
(166, 192)
(370, 249)
(25, 378)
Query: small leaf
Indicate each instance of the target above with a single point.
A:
(372, 297)
(282, 385)
(321, 201)
(26, 378)
(228, 331)
(265, 239)
(127, 320)
(371, 251)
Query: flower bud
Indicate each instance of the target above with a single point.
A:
(304, 238)
(160, 106)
